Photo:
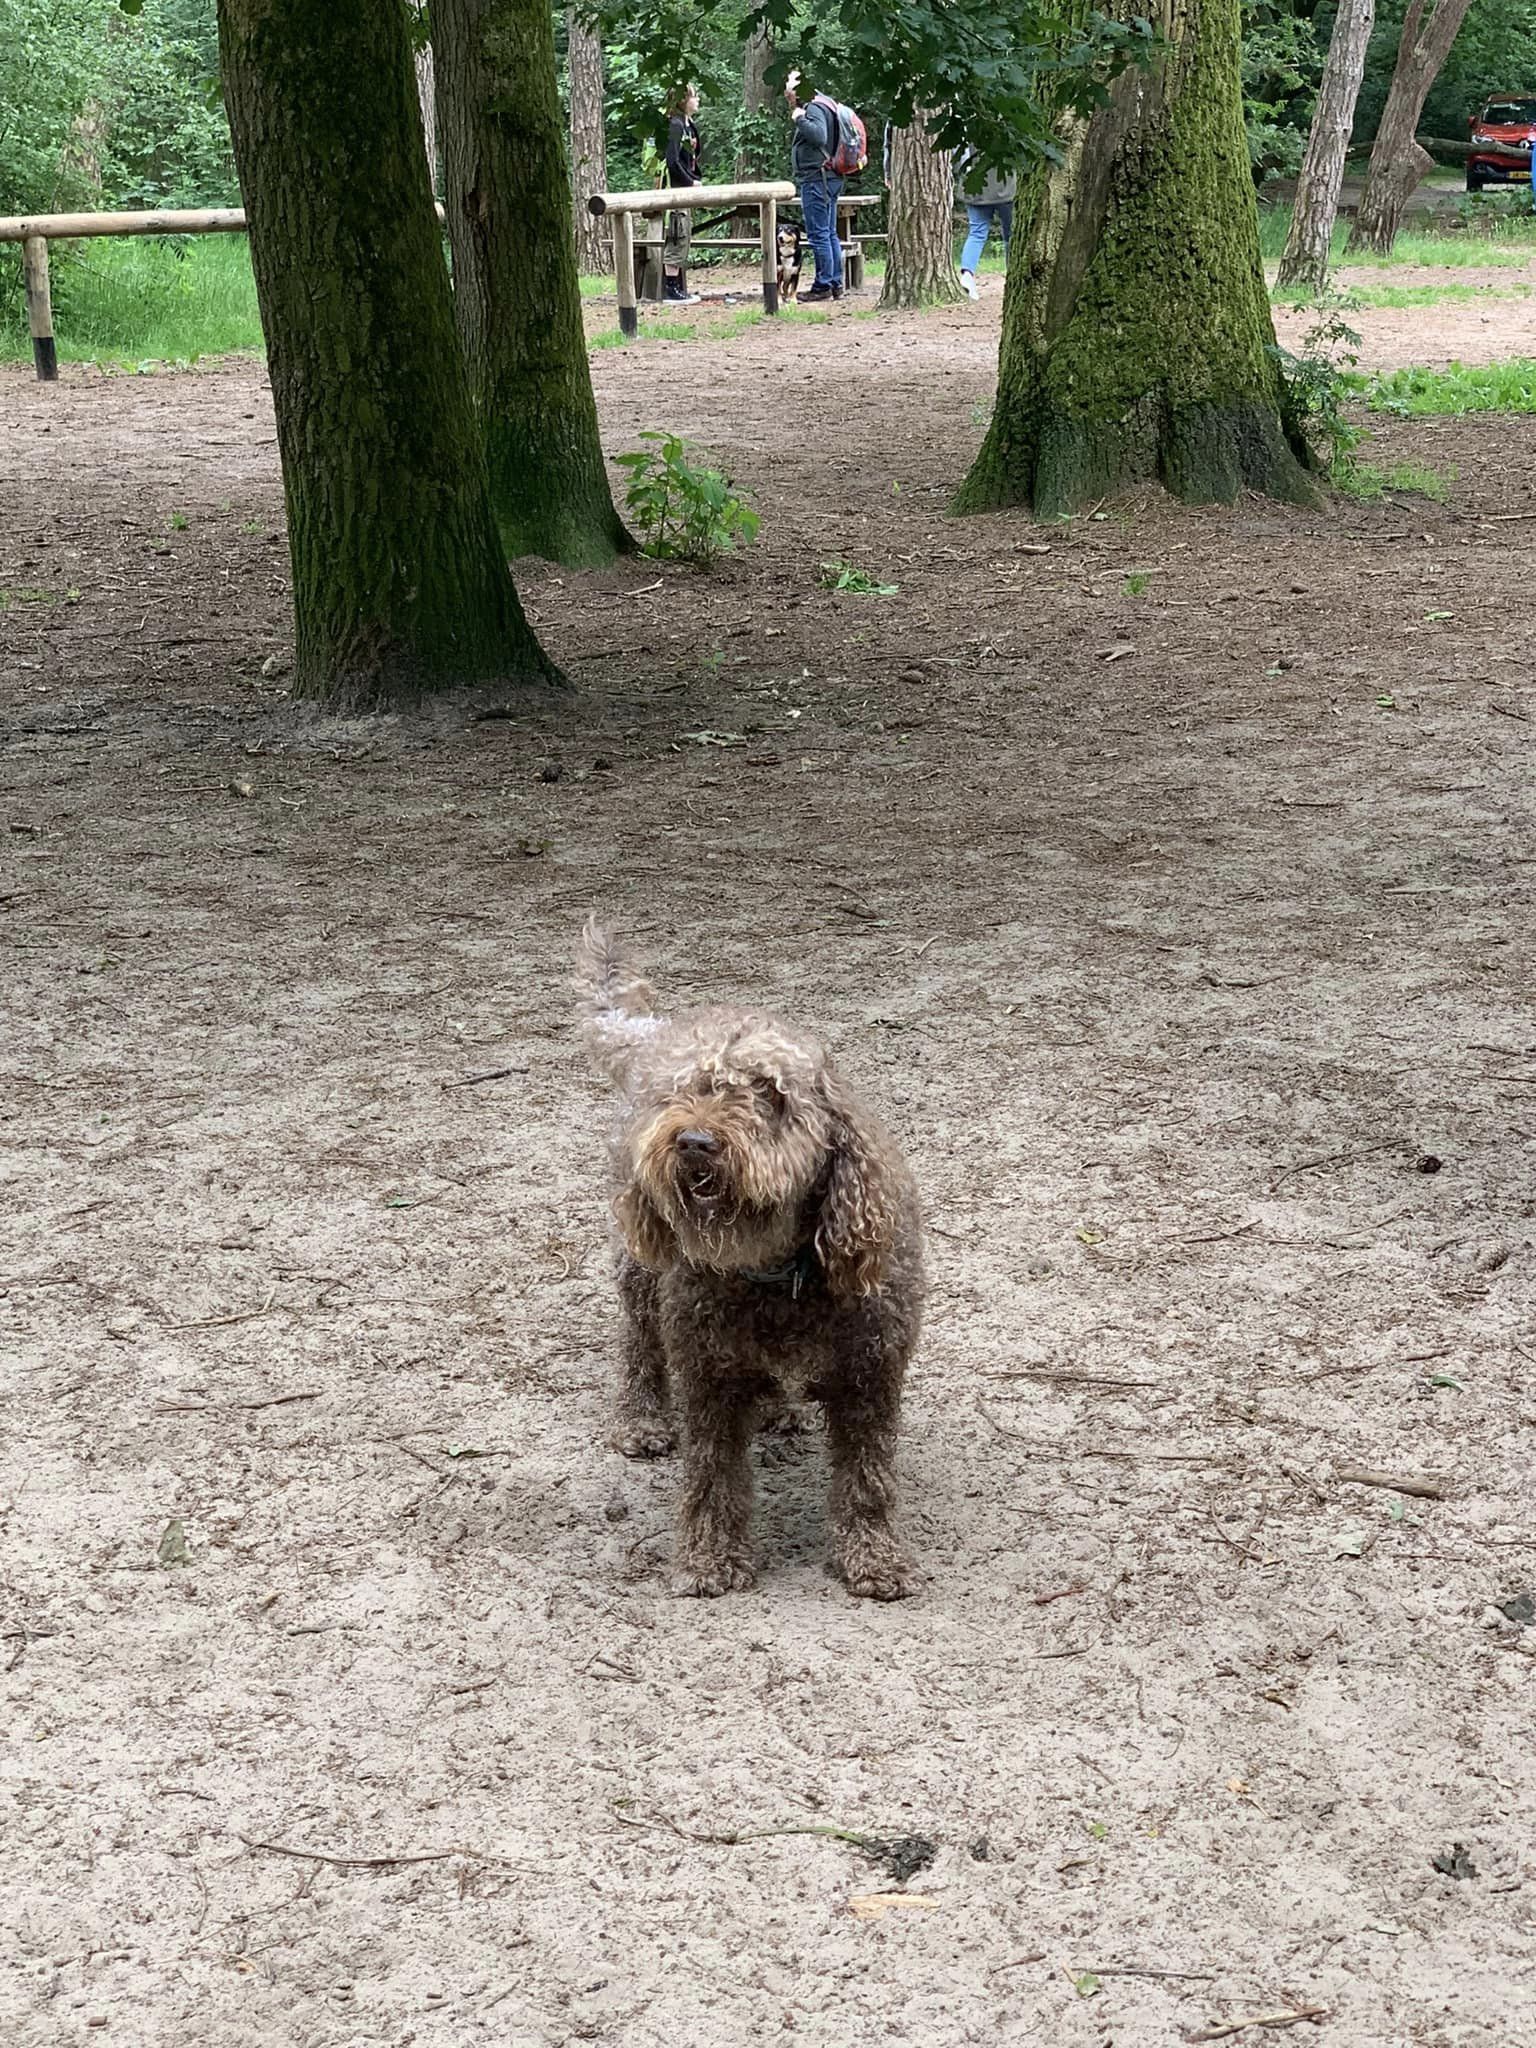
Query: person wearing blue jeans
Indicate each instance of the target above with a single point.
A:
(991, 207)
(815, 139)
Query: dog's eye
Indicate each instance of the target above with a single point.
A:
(768, 1097)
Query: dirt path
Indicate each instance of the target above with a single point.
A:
(1186, 938)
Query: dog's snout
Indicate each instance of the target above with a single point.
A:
(697, 1144)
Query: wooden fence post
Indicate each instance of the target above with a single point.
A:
(34, 264)
(770, 230)
(624, 271)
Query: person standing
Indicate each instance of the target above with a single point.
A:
(991, 207)
(815, 140)
(684, 155)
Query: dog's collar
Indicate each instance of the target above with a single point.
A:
(794, 1274)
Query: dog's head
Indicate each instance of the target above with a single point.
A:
(746, 1147)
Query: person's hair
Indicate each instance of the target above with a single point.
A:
(677, 100)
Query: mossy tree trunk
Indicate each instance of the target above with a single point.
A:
(514, 278)
(1310, 238)
(1137, 338)
(920, 220)
(1398, 161)
(400, 585)
(589, 144)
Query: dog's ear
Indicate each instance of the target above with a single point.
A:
(856, 1231)
(645, 1231)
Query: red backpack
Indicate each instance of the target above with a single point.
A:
(849, 152)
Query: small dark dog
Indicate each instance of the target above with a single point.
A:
(772, 1249)
(790, 243)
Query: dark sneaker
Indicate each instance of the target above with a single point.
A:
(816, 294)
(676, 294)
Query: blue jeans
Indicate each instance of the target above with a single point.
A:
(818, 203)
(983, 217)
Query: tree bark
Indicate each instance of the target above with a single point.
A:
(1137, 338)
(920, 222)
(1307, 245)
(589, 145)
(514, 272)
(1397, 161)
(756, 97)
(426, 99)
(400, 585)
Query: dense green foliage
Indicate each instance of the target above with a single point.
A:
(102, 107)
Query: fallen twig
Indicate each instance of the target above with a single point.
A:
(1332, 1159)
(220, 1322)
(1018, 1962)
(1426, 1488)
(353, 1862)
(1263, 2019)
(491, 1074)
(1067, 1377)
(1221, 1236)
(1146, 1970)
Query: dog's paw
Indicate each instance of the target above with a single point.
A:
(880, 1578)
(706, 1578)
(651, 1437)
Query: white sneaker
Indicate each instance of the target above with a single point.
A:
(968, 285)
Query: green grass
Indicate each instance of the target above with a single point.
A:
(1371, 481)
(1485, 387)
(144, 299)
(1367, 295)
(1495, 234)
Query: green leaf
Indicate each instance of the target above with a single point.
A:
(1087, 1985)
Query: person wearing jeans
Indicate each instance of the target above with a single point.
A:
(820, 189)
(991, 207)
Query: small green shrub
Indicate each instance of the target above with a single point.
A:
(1318, 380)
(854, 582)
(683, 512)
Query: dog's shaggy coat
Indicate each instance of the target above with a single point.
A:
(771, 1250)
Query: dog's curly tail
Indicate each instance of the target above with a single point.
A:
(619, 1007)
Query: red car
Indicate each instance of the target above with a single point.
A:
(1502, 135)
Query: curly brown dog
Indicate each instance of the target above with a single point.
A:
(772, 1249)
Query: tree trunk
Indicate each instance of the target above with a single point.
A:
(589, 145)
(514, 277)
(1397, 161)
(426, 99)
(920, 221)
(756, 98)
(1305, 260)
(1137, 338)
(399, 582)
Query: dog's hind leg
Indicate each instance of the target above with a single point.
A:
(641, 1427)
(862, 1412)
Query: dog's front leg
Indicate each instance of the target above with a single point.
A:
(714, 1536)
(863, 1411)
(640, 1427)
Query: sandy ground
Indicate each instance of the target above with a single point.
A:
(1182, 927)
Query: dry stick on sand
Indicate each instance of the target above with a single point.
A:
(1333, 1159)
(220, 1322)
(358, 1862)
(1264, 2019)
(1427, 1488)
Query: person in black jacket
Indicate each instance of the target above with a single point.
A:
(684, 154)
